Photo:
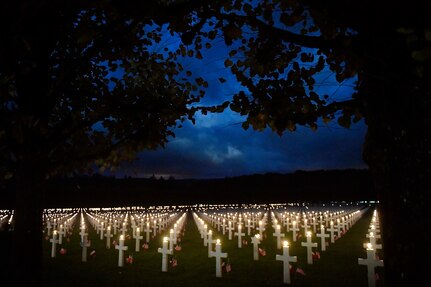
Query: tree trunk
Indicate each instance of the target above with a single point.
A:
(397, 107)
(27, 258)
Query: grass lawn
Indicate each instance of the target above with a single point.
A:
(338, 265)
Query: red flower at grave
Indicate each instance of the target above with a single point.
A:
(228, 268)
(129, 259)
(63, 251)
(177, 248)
(300, 271)
(262, 252)
(174, 262)
(145, 246)
(93, 253)
(316, 255)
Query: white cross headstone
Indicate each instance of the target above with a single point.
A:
(331, 229)
(322, 236)
(294, 230)
(248, 225)
(205, 234)
(210, 242)
(84, 244)
(286, 258)
(171, 240)
(82, 232)
(60, 234)
(278, 235)
(123, 229)
(165, 252)
(154, 227)
(309, 246)
(108, 236)
(373, 241)
(371, 262)
(49, 227)
(147, 232)
(256, 240)
(224, 226)
(230, 228)
(138, 238)
(102, 229)
(121, 248)
(218, 255)
(54, 242)
(239, 234)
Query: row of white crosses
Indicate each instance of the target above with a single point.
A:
(62, 222)
(208, 241)
(6, 215)
(172, 240)
(372, 261)
(139, 223)
(256, 240)
(64, 226)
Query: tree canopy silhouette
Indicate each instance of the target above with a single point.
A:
(86, 87)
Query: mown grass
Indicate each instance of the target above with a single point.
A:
(338, 265)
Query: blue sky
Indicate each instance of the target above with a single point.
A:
(217, 146)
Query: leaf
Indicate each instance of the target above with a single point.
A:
(422, 55)
(344, 121)
(228, 63)
(8, 175)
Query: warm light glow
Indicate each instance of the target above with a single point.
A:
(171, 231)
(138, 229)
(218, 242)
(278, 226)
(285, 243)
(322, 227)
(257, 236)
(165, 239)
(371, 234)
(210, 232)
(369, 246)
(109, 227)
(260, 222)
(55, 232)
(308, 233)
(332, 222)
(121, 237)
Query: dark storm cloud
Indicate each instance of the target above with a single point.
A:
(216, 148)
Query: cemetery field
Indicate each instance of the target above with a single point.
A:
(337, 266)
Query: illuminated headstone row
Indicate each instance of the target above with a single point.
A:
(372, 261)
(283, 221)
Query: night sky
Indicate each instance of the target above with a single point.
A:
(217, 146)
